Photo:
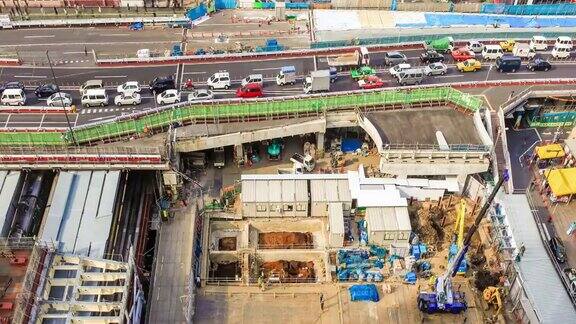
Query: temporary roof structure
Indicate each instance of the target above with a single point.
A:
(550, 151)
(562, 181)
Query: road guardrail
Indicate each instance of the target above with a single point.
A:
(35, 110)
(95, 21)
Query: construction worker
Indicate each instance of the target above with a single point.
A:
(261, 282)
(322, 302)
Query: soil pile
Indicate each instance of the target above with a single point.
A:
(227, 244)
(285, 240)
(285, 270)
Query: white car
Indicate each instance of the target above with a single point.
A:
(129, 87)
(475, 46)
(437, 68)
(200, 95)
(395, 70)
(168, 97)
(58, 98)
(123, 99)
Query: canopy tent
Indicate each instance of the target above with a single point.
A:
(550, 151)
(562, 181)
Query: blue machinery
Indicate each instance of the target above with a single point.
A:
(443, 298)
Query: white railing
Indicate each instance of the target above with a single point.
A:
(96, 21)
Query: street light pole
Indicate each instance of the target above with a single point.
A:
(61, 101)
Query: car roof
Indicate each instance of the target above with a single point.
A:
(171, 91)
(437, 63)
(253, 85)
(404, 65)
(89, 82)
(393, 53)
(203, 91)
(132, 82)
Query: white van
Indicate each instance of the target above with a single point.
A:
(13, 97)
(561, 51)
(411, 77)
(95, 97)
(492, 52)
(563, 40)
(538, 43)
(365, 55)
(523, 51)
(253, 78)
(219, 80)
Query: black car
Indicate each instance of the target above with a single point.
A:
(46, 90)
(558, 249)
(12, 85)
(161, 84)
(539, 64)
(431, 56)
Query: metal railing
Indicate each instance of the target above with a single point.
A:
(435, 147)
(95, 150)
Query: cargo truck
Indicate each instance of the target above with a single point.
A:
(317, 81)
(358, 57)
(287, 75)
(442, 45)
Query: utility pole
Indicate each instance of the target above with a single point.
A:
(61, 101)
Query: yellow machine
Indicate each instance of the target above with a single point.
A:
(458, 240)
(508, 45)
(493, 296)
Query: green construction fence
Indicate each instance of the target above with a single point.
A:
(217, 111)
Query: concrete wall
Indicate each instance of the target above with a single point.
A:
(371, 130)
(420, 167)
(481, 130)
(314, 226)
(275, 209)
(320, 260)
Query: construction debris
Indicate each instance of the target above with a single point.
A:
(285, 240)
(286, 270)
(227, 244)
(484, 279)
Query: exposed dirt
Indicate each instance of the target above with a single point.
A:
(227, 244)
(285, 240)
(484, 279)
(225, 270)
(288, 270)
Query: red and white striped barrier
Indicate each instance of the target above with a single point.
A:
(143, 161)
(10, 62)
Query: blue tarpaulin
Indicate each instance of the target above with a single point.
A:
(350, 145)
(539, 10)
(197, 12)
(367, 292)
(226, 4)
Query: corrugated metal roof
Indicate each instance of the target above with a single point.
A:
(58, 207)
(301, 190)
(330, 190)
(76, 199)
(248, 191)
(288, 190)
(383, 218)
(336, 218)
(344, 190)
(317, 192)
(402, 218)
(109, 193)
(374, 219)
(541, 282)
(8, 184)
(274, 190)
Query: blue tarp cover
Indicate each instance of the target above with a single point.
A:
(350, 145)
(367, 292)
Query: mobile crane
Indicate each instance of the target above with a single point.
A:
(443, 298)
(459, 238)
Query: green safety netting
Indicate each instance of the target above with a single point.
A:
(274, 107)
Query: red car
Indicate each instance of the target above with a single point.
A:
(462, 54)
(371, 82)
(251, 90)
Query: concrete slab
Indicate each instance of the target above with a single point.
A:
(420, 126)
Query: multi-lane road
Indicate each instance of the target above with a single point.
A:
(69, 78)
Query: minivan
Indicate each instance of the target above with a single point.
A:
(492, 52)
(410, 77)
(94, 97)
(561, 51)
(219, 80)
(90, 85)
(564, 40)
(13, 97)
(253, 78)
(538, 43)
(508, 63)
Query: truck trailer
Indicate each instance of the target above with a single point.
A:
(317, 81)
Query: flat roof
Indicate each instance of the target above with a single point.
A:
(541, 282)
(336, 218)
(272, 189)
(388, 219)
(550, 151)
(562, 181)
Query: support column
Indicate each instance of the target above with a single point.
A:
(320, 144)
(239, 154)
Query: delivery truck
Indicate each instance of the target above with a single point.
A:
(287, 75)
(523, 51)
(317, 81)
(442, 45)
(358, 57)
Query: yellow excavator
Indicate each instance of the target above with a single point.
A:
(493, 296)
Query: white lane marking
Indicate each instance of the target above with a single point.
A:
(450, 76)
(268, 69)
(512, 73)
(100, 118)
(31, 76)
(8, 120)
(109, 76)
(40, 36)
(113, 35)
(74, 52)
(191, 73)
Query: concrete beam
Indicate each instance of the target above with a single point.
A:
(204, 143)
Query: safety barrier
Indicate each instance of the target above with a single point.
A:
(34, 110)
(95, 21)
(6, 61)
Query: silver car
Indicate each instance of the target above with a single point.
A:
(59, 99)
(475, 46)
(437, 68)
(200, 95)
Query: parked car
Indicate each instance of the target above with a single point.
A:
(507, 45)
(362, 72)
(371, 82)
(539, 64)
(393, 58)
(200, 95)
(128, 87)
(470, 65)
(251, 90)
(475, 46)
(169, 96)
(127, 98)
(46, 90)
(437, 68)
(431, 56)
(558, 249)
(161, 84)
(462, 54)
(59, 99)
(399, 68)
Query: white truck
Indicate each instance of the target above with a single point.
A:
(317, 81)
(523, 51)
(350, 59)
(287, 75)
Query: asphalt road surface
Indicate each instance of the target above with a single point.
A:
(71, 78)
